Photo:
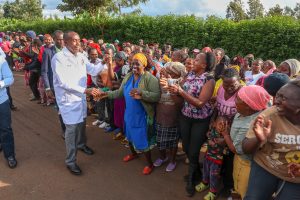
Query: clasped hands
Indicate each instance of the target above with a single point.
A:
(97, 94)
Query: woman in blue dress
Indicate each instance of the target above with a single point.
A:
(141, 91)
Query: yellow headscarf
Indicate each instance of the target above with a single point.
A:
(141, 57)
(236, 67)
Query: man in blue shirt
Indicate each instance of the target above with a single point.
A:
(6, 133)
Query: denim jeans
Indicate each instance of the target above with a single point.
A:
(262, 185)
(6, 133)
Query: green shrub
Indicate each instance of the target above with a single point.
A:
(276, 38)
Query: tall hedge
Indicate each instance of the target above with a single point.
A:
(275, 38)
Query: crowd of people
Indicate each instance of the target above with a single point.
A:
(241, 113)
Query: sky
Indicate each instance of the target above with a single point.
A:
(200, 8)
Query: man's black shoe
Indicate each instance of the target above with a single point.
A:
(14, 108)
(12, 162)
(87, 150)
(74, 169)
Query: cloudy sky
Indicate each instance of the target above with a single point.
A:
(198, 7)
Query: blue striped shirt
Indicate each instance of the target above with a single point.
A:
(6, 79)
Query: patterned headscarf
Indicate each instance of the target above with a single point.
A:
(177, 68)
(294, 66)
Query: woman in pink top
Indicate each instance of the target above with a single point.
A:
(226, 106)
(225, 102)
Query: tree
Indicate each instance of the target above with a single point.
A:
(23, 9)
(256, 9)
(235, 11)
(297, 11)
(275, 11)
(93, 7)
(288, 11)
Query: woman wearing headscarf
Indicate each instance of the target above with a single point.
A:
(116, 75)
(141, 91)
(274, 82)
(250, 101)
(274, 141)
(196, 90)
(290, 67)
(167, 113)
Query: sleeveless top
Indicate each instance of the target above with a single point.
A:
(193, 86)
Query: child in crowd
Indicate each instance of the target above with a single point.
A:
(167, 114)
(212, 165)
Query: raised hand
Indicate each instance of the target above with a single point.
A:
(108, 59)
(224, 127)
(163, 83)
(174, 89)
(262, 128)
(136, 93)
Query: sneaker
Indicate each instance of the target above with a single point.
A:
(103, 125)
(210, 196)
(97, 122)
(159, 162)
(171, 167)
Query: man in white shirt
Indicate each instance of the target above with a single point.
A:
(70, 69)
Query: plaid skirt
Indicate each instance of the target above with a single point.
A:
(167, 137)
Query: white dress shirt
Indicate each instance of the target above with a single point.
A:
(69, 81)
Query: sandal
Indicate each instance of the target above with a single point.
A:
(210, 196)
(201, 187)
(129, 157)
(118, 136)
(147, 170)
(124, 142)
